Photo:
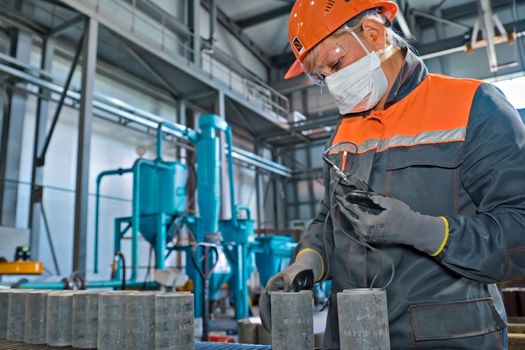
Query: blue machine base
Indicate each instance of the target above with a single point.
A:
(222, 346)
(7, 345)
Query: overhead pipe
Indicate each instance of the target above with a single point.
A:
(439, 19)
(474, 46)
(403, 24)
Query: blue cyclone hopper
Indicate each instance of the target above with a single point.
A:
(238, 243)
(238, 235)
(209, 173)
(162, 190)
(209, 195)
(273, 253)
(159, 200)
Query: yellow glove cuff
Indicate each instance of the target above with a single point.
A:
(305, 250)
(445, 239)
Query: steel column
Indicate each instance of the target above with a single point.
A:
(65, 26)
(37, 172)
(258, 188)
(12, 135)
(308, 156)
(194, 23)
(274, 181)
(213, 21)
(89, 58)
(181, 151)
(487, 26)
(226, 209)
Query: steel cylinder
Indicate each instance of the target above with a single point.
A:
(85, 320)
(247, 332)
(292, 320)
(112, 320)
(174, 321)
(363, 319)
(4, 310)
(59, 318)
(140, 318)
(35, 317)
(16, 315)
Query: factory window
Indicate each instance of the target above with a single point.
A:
(514, 89)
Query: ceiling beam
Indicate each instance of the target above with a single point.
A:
(453, 13)
(264, 16)
(459, 43)
(283, 60)
(237, 32)
(467, 10)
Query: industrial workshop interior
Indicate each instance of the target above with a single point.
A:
(262, 174)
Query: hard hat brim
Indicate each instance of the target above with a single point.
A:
(296, 69)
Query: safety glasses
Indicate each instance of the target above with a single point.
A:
(332, 61)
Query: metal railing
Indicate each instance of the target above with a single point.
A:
(166, 33)
(110, 108)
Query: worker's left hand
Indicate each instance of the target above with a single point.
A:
(396, 223)
(300, 275)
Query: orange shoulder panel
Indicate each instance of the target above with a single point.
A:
(438, 104)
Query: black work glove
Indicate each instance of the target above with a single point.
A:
(394, 223)
(300, 275)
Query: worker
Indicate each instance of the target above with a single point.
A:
(443, 162)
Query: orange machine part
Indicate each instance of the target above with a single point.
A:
(21, 268)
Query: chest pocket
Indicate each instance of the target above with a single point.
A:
(426, 177)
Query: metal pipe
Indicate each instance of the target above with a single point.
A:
(135, 219)
(160, 242)
(90, 285)
(487, 26)
(208, 181)
(44, 285)
(403, 24)
(185, 132)
(119, 258)
(440, 19)
(41, 157)
(103, 108)
(85, 121)
(49, 238)
(229, 143)
(100, 176)
(429, 56)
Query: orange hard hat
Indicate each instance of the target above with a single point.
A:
(311, 21)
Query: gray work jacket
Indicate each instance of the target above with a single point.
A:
(446, 147)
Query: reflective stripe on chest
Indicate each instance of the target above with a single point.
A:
(437, 111)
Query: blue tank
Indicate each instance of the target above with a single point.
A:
(162, 190)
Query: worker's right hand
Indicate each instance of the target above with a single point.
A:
(300, 275)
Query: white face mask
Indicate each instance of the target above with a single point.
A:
(360, 86)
